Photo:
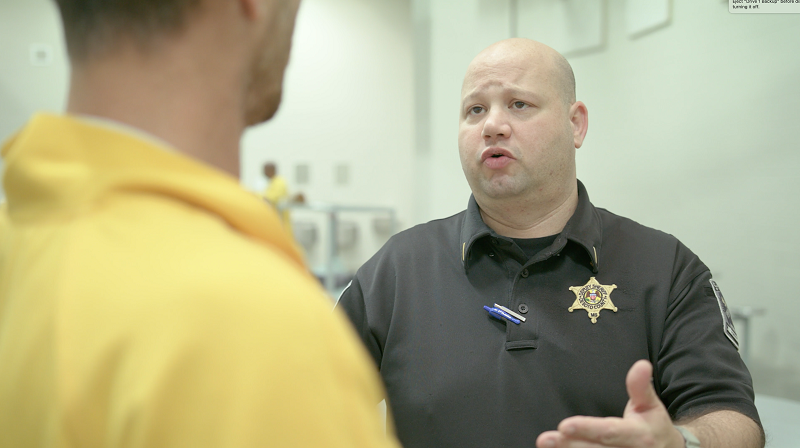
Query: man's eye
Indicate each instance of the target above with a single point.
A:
(474, 110)
(519, 105)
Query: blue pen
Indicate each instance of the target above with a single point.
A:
(500, 314)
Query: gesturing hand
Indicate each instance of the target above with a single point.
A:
(644, 424)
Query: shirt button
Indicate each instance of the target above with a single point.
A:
(522, 308)
(524, 273)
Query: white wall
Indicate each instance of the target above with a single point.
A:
(348, 100)
(692, 131)
(24, 87)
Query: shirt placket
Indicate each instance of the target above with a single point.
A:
(523, 293)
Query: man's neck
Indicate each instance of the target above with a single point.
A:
(169, 98)
(529, 217)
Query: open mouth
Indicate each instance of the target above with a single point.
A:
(497, 156)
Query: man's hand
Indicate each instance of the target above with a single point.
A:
(644, 424)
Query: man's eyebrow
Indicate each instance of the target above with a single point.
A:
(469, 97)
(512, 91)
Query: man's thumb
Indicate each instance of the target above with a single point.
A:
(642, 396)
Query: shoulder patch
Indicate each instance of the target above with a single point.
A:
(727, 320)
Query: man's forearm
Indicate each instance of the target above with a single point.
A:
(725, 429)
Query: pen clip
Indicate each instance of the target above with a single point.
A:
(501, 307)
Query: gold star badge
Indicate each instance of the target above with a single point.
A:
(593, 297)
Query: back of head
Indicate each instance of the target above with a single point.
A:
(93, 27)
(270, 169)
(193, 73)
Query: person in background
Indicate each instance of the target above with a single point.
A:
(277, 193)
(146, 299)
(534, 317)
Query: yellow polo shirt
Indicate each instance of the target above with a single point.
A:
(146, 300)
(277, 194)
(276, 191)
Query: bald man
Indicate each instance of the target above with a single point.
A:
(533, 317)
(143, 292)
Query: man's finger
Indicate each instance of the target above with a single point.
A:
(554, 439)
(606, 431)
(549, 439)
(642, 396)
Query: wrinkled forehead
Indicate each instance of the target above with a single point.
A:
(514, 72)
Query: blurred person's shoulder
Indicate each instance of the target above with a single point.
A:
(194, 253)
(204, 304)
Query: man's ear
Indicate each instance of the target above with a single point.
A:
(579, 118)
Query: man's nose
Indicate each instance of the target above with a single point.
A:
(496, 125)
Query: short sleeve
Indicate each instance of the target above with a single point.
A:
(699, 369)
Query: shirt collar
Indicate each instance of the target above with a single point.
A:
(123, 128)
(583, 228)
(472, 229)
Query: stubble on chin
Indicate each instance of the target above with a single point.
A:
(500, 187)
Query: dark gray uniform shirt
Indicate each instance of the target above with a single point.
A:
(456, 376)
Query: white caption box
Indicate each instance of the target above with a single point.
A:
(764, 6)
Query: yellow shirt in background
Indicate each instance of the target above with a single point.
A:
(277, 190)
(146, 300)
(277, 194)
